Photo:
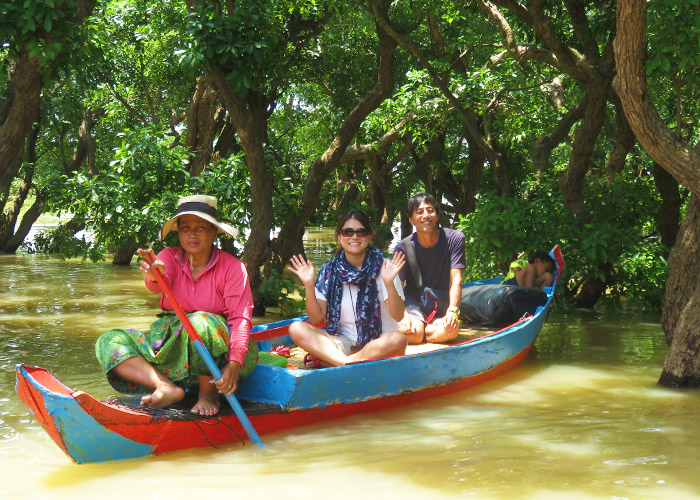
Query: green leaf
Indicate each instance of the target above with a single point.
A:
(666, 64)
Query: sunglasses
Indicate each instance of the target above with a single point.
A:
(361, 233)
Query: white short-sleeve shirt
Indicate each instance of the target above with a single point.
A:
(348, 306)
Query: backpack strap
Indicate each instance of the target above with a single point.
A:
(412, 262)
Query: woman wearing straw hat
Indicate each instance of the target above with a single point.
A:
(206, 280)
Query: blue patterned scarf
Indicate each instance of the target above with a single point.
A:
(330, 281)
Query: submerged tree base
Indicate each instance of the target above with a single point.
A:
(677, 382)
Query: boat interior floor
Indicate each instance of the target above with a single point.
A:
(181, 409)
(466, 332)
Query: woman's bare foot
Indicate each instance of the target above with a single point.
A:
(163, 396)
(313, 362)
(208, 402)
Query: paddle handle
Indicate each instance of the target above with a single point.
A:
(206, 357)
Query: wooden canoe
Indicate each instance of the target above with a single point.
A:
(277, 398)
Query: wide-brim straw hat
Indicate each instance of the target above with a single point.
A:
(202, 206)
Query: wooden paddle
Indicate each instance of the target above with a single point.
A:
(202, 350)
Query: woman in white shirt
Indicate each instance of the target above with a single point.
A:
(357, 294)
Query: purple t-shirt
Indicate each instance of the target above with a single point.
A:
(434, 262)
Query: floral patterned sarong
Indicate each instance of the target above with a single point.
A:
(167, 346)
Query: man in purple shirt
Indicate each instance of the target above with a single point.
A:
(440, 256)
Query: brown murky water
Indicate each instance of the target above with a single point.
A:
(582, 418)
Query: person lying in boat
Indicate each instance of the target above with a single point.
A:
(206, 280)
(536, 272)
(435, 265)
(359, 296)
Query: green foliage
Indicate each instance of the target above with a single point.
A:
(500, 228)
(645, 274)
(125, 205)
(129, 63)
(620, 214)
(63, 243)
(281, 289)
(249, 42)
(45, 28)
(348, 40)
(673, 63)
(311, 61)
(228, 182)
(674, 32)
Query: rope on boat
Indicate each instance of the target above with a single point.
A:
(177, 414)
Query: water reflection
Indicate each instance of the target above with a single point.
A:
(582, 418)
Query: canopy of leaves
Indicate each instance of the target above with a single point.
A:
(460, 100)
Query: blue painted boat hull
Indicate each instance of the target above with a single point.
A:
(277, 398)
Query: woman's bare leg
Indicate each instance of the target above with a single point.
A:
(388, 345)
(137, 369)
(317, 342)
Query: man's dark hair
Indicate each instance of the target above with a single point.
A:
(414, 202)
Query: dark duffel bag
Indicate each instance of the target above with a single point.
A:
(499, 305)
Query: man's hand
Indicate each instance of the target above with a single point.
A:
(450, 324)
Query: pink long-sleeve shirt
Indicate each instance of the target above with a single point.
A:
(222, 288)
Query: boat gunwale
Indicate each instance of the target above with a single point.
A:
(491, 336)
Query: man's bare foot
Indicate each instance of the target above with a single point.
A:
(208, 402)
(163, 396)
(437, 333)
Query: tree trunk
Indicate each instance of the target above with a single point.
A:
(422, 169)
(380, 191)
(585, 136)
(28, 219)
(19, 112)
(86, 149)
(200, 126)
(478, 138)
(592, 288)
(544, 146)
(352, 193)
(226, 143)
(675, 155)
(681, 314)
(249, 117)
(123, 255)
(682, 299)
(668, 217)
(406, 226)
(289, 240)
(25, 81)
(470, 186)
(11, 239)
(624, 143)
